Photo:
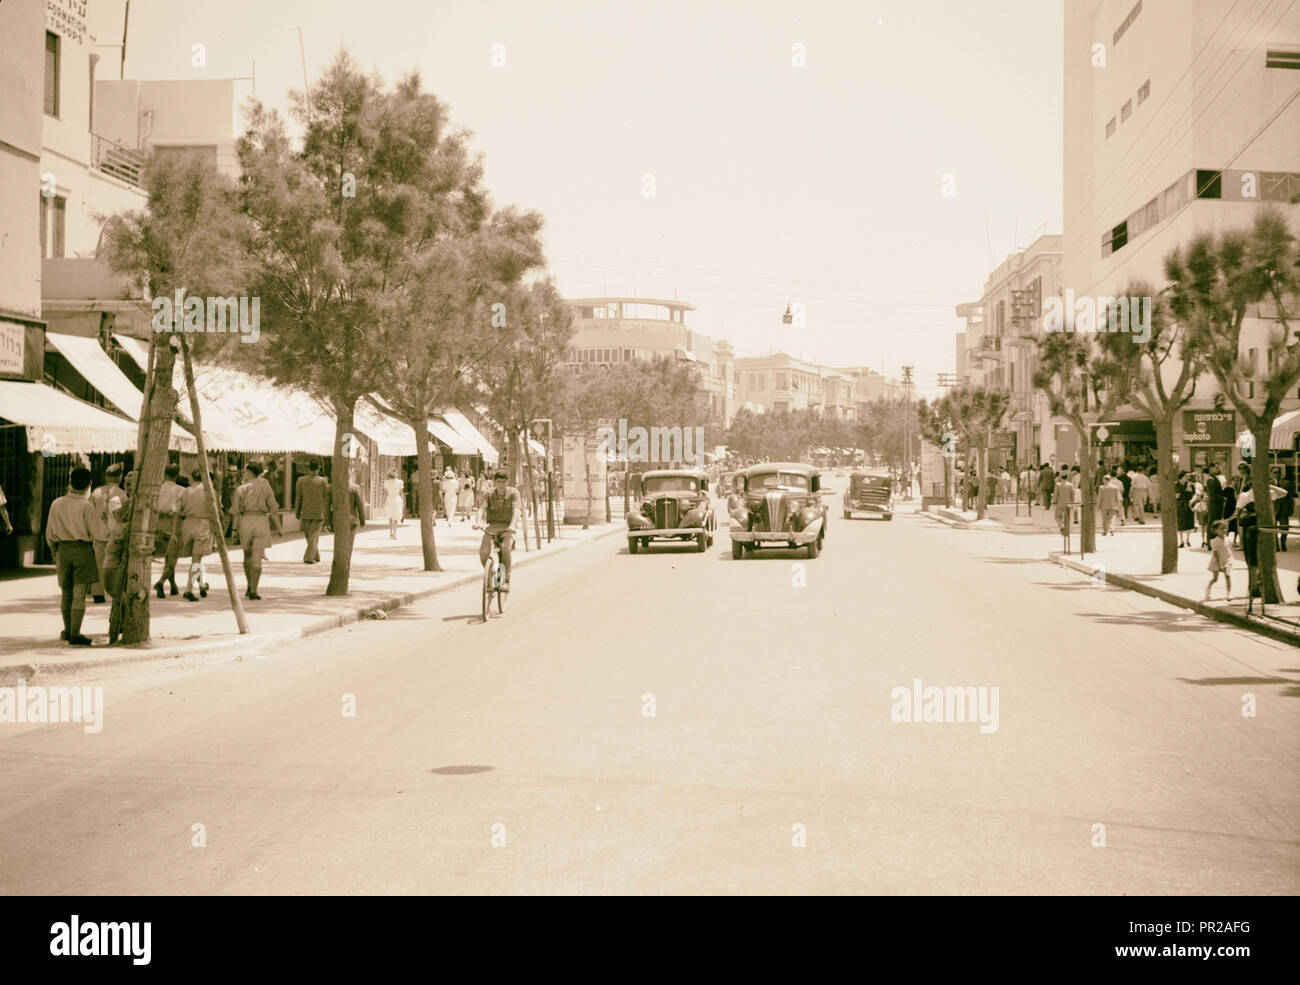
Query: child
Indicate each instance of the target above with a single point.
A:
(1201, 512)
(1220, 561)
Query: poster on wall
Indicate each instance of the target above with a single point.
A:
(575, 478)
(12, 346)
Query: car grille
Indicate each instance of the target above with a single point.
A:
(666, 513)
(876, 495)
(775, 511)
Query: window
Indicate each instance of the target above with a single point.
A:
(53, 218)
(1110, 127)
(1174, 197)
(1126, 111)
(780, 381)
(1209, 184)
(1144, 93)
(51, 74)
(1127, 22)
(1282, 56)
(1279, 186)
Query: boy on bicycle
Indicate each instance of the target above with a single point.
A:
(498, 512)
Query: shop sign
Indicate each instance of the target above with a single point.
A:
(1209, 427)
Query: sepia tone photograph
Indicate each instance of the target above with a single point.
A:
(601, 448)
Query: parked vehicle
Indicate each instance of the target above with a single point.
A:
(781, 507)
(869, 491)
(675, 505)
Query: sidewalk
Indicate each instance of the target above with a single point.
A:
(386, 574)
(1131, 559)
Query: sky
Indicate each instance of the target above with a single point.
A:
(781, 175)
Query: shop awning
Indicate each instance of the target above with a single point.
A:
(135, 348)
(58, 424)
(460, 423)
(444, 433)
(248, 414)
(536, 446)
(1285, 428)
(391, 436)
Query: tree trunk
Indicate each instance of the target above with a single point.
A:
(1168, 498)
(532, 491)
(981, 475)
(214, 504)
(1270, 590)
(1088, 496)
(424, 484)
(156, 427)
(586, 520)
(341, 499)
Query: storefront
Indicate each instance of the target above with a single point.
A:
(1209, 438)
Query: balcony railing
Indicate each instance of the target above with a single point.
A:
(118, 160)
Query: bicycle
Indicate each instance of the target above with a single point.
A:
(494, 577)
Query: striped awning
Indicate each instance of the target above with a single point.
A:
(248, 414)
(58, 424)
(1285, 428)
(445, 434)
(460, 423)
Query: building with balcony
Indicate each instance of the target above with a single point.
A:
(1190, 127)
(614, 330)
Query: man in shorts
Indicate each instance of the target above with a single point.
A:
(256, 515)
(498, 513)
(197, 524)
(71, 531)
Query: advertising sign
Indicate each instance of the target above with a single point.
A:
(12, 346)
(576, 459)
(1209, 427)
(66, 18)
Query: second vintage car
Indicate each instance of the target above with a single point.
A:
(675, 505)
(779, 505)
(869, 491)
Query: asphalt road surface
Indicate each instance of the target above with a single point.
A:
(683, 723)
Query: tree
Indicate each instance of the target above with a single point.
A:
(1215, 284)
(976, 412)
(1081, 381)
(337, 236)
(938, 428)
(178, 248)
(1160, 376)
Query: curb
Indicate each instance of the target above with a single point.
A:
(1208, 611)
(254, 644)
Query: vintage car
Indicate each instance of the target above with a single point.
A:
(781, 506)
(869, 491)
(675, 505)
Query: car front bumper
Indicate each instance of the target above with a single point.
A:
(677, 532)
(870, 508)
(805, 536)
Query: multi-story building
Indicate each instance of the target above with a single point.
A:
(1180, 119)
(614, 330)
(998, 348)
(779, 382)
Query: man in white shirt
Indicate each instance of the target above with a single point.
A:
(1141, 492)
(167, 540)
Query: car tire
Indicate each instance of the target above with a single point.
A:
(848, 515)
(737, 550)
(814, 547)
(702, 542)
(631, 545)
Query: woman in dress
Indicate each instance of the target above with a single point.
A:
(465, 502)
(1186, 522)
(393, 496)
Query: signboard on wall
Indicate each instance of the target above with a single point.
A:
(67, 18)
(13, 336)
(931, 469)
(576, 460)
(1209, 427)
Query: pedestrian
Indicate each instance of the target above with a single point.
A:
(167, 529)
(1201, 512)
(1186, 519)
(465, 499)
(449, 490)
(393, 503)
(105, 499)
(1153, 490)
(1213, 498)
(1063, 496)
(198, 526)
(71, 531)
(1046, 482)
(312, 508)
(116, 556)
(1230, 509)
(1110, 502)
(1283, 509)
(256, 514)
(1220, 561)
(1004, 485)
(1126, 487)
(1248, 526)
(6, 528)
(1141, 487)
(356, 505)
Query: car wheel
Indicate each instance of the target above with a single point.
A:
(737, 550)
(889, 516)
(631, 545)
(848, 515)
(702, 539)
(814, 547)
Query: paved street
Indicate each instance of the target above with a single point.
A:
(771, 709)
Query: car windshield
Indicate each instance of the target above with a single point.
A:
(860, 481)
(778, 480)
(671, 483)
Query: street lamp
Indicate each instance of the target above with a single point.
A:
(788, 317)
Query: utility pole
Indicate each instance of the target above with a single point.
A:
(907, 431)
(1025, 305)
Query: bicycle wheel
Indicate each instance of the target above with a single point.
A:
(488, 572)
(502, 594)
